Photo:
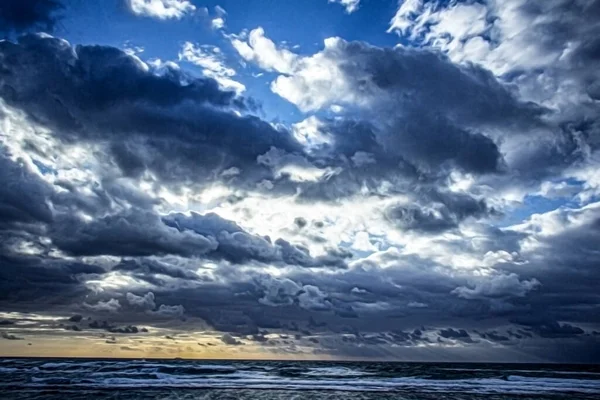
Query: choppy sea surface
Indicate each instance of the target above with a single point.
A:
(184, 379)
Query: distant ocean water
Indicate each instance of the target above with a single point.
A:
(182, 379)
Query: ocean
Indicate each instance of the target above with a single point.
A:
(267, 380)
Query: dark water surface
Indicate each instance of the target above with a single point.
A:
(182, 379)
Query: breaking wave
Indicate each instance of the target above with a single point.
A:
(299, 376)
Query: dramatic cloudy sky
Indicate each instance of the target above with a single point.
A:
(331, 179)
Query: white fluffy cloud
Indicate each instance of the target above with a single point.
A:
(161, 9)
(349, 5)
(263, 51)
(218, 22)
(309, 82)
(212, 62)
(403, 19)
(309, 132)
(497, 35)
(502, 35)
(316, 81)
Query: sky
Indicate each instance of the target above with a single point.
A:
(408, 180)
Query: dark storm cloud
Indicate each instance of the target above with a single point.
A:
(422, 144)
(259, 338)
(420, 280)
(457, 121)
(73, 328)
(127, 329)
(105, 325)
(461, 205)
(441, 119)
(23, 195)
(519, 334)
(467, 93)
(29, 280)
(238, 246)
(414, 218)
(230, 340)
(368, 154)
(408, 338)
(161, 122)
(148, 270)
(441, 211)
(548, 328)
(100, 201)
(494, 336)
(428, 83)
(231, 321)
(458, 334)
(76, 318)
(131, 233)
(353, 139)
(9, 336)
(21, 15)
(429, 117)
(565, 263)
(561, 39)
(88, 79)
(563, 31)
(244, 315)
(240, 307)
(411, 290)
(300, 222)
(566, 22)
(412, 127)
(566, 267)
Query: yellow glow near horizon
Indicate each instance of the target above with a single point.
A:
(138, 347)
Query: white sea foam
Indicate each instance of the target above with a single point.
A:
(531, 371)
(513, 384)
(334, 371)
(137, 374)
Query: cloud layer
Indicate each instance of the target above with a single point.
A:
(434, 197)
